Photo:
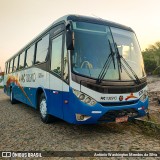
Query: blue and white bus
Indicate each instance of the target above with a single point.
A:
(81, 69)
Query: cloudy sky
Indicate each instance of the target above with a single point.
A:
(22, 20)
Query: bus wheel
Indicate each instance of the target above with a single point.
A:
(13, 101)
(45, 117)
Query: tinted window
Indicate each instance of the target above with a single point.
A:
(15, 64)
(42, 49)
(56, 55)
(30, 56)
(21, 61)
(11, 66)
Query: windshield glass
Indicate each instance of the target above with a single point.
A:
(91, 49)
(128, 47)
(93, 44)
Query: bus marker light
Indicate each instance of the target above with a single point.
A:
(55, 92)
(65, 101)
(143, 108)
(96, 112)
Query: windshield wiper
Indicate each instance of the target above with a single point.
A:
(106, 64)
(120, 64)
(112, 54)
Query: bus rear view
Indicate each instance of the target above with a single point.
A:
(82, 70)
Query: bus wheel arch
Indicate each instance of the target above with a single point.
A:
(42, 106)
(38, 94)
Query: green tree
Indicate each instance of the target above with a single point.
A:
(151, 57)
(156, 51)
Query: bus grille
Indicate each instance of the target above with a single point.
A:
(110, 104)
(114, 89)
(112, 115)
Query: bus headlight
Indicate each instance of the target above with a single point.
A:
(144, 96)
(84, 98)
(87, 100)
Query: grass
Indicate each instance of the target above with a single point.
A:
(1, 87)
(148, 129)
(154, 117)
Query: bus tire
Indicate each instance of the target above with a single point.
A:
(12, 100)
(45, 117)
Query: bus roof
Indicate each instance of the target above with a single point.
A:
(72, 17)
(98, 21)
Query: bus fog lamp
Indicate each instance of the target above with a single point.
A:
(82, 117)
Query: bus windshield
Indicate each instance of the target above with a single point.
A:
(94, 43)
(129, 49)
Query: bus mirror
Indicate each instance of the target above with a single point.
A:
(70, 40)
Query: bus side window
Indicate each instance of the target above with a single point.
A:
(11, 66)
(42, 49)
(21, 60)
(30, 56)
(56, 55)
(6, 68)
(15, 63)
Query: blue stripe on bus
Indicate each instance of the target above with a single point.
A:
(68, 111)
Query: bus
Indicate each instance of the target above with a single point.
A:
(83, 70)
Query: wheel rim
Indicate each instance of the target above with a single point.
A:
(43, 108)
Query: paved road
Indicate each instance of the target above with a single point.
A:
(21, 129)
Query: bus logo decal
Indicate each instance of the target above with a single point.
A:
(12, 79)
(109, 98)
(130, 96)
(120, 98)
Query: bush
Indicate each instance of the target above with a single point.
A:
(150, 65)
(157, 71)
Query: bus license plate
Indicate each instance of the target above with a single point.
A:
(122, 119)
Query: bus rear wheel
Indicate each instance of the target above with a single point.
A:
(13, 101)
(45, 117)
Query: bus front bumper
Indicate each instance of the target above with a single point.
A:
(99, 113)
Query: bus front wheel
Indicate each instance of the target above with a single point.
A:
(45, 117)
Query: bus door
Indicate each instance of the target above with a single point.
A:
(56, 83)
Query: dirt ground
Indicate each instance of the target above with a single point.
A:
(21, 130)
